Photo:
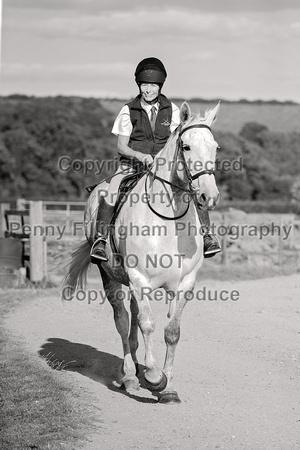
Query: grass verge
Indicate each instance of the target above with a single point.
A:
(40, 407)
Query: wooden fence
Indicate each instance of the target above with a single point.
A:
(267, 236)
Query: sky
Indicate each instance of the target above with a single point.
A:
(220, 49)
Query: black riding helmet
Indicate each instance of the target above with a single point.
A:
(150, 70)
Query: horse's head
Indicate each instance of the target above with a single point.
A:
(198, 153)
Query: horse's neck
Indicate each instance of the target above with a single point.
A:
(166, 169)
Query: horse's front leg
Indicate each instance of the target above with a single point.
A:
(154, 377)
(172, 336)
(133, 337)
(112, 289)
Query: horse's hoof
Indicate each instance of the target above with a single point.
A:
(131, 384)
(159, 386)
(169, 398)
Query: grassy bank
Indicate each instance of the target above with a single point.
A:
(40, 407)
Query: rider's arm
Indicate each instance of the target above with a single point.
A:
(123, 128)
(125, 150)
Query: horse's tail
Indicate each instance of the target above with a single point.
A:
(77, 272)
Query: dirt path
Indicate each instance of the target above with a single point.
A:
(237, 367)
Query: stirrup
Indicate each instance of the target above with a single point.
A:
(98, 255)
(214, 245)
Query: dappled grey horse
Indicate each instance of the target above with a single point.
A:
(180, 180)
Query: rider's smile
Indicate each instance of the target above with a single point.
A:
(149, 92)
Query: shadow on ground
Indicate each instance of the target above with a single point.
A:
(102, 367)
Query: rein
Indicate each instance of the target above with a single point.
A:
(191, 178)
(156, 212)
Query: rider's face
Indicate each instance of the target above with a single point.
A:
(149, 91)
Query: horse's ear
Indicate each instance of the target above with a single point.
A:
(212, 115)
(185, 112)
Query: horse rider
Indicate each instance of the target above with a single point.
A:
(143, 127)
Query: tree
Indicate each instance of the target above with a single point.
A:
(295, 191)
(253, 131)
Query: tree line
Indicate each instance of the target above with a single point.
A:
(36, 133)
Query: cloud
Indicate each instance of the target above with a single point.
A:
(219, 6)
(295, 27)
(141, 24)
(56, 5)
(81, 44)
(37, 70)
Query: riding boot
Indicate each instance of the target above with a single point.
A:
(211, 242)
(104, 216)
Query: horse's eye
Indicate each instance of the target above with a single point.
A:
(186, 147)
(218, 148)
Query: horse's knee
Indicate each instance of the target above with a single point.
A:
(172, 333)
(147, 325)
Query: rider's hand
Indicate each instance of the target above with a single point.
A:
(146, 159)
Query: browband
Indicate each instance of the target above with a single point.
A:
(194, 126)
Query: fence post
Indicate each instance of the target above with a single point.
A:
(224, 255)
(21, 204)
(37, 258)
(280, 246)
(3, 207)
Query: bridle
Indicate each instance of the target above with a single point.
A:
(179, 150)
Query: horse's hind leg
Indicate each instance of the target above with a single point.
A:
(112, 289)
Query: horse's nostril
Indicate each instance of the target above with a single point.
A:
(203, 198)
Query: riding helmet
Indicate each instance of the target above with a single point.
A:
(150, 70)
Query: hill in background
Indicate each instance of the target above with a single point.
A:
(37, 134)
(284, 117)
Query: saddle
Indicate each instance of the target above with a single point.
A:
(126, 186)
